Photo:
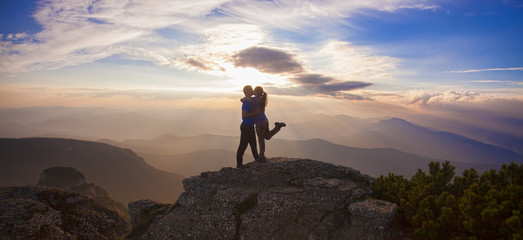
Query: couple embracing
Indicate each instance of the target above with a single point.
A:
(253, 115)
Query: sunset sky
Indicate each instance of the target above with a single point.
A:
(349, 56)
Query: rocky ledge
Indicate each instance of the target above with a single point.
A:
(40, 212)
(282, 198)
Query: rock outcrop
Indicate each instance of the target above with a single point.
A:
(61, 177)
(39, 212)
(279, 199)
(72, 180)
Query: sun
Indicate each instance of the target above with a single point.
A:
(238, 77)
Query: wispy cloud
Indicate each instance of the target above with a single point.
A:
(487, 70)
(346, 60)
(298, 15)
(496, 81)
(76, 31)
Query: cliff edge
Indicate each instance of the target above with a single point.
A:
(282, 198)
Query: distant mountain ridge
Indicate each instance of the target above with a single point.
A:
(173, 153)
(125, 175)
(406, 136)
(472, 144)
(409, 137)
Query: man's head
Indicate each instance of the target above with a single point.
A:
(247, 90)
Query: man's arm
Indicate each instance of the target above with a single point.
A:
(245, 114)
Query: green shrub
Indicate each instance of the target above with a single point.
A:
(440, 205)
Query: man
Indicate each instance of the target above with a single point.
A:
(248, 136)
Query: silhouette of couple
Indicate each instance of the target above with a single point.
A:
(253, 116)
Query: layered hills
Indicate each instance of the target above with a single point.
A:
(124, 174)
(429, 137)
(172, 153)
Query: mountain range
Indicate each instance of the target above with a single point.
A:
(125, 175)
(189, 134)
(207, 152)
(403, 135)
(121, 124)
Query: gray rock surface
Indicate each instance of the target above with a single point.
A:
(138, 209)
(39, 212)
(375, 215)
(282, 198)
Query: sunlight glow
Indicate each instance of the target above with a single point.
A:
(240, 77)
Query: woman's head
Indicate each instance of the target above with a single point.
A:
(258, 91)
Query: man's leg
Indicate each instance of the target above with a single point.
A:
(242, 147)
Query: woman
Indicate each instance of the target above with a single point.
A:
(262, 123)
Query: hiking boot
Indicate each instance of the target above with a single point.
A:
(279, 124)
(261, 159)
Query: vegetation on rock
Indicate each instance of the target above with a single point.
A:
(439, 205)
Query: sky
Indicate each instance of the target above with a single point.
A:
(365, 58)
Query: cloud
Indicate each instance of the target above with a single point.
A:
(352, 97)
(325, 84)
(488, 69)
(274, 61)
(268, 60)
(213, 53)
(77, 31)
(347, 60)
(343, 86)
(202, 65)
(440, 97)
(314, 84)
(300, 15)
(311, 79)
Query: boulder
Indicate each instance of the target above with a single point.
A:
(61, 177)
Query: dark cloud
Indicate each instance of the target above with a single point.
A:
(311, 79)
(279, 62)
(321, 84)
(268, 60)
(193, 63)
(343, 86)
(317, 84)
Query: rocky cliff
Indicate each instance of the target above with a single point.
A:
(40, 212)
(280, 199)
